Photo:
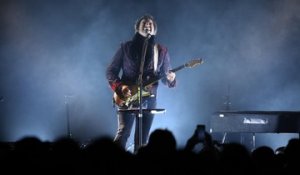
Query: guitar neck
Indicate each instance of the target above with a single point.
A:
(178, 68)
(157, 79)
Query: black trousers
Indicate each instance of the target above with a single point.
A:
(127, 119)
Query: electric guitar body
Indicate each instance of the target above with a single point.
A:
(126, 102)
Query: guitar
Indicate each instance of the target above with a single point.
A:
(127, 101)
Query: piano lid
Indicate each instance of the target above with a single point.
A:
(260, 112)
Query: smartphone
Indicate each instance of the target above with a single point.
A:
(200, 131)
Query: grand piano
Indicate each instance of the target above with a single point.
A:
(255, 122)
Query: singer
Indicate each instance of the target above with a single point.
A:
(126, 61)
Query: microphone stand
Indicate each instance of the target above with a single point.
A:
(67, 99)
(140, 89)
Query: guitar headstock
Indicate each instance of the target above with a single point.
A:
(194, 62)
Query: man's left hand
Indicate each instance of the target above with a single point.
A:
(171, 76)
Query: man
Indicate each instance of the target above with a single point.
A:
(127, 60)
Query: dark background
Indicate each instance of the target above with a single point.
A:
(54, 53)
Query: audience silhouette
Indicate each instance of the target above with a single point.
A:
(160, 156)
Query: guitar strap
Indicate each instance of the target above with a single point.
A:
(155, 57)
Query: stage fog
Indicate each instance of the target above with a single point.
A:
(54, 55)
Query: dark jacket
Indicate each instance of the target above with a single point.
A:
(124, 61)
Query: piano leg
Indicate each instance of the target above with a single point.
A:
(224, 137)
(253, 141)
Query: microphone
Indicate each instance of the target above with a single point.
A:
(148, 32)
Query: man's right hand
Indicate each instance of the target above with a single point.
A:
(126, 91)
